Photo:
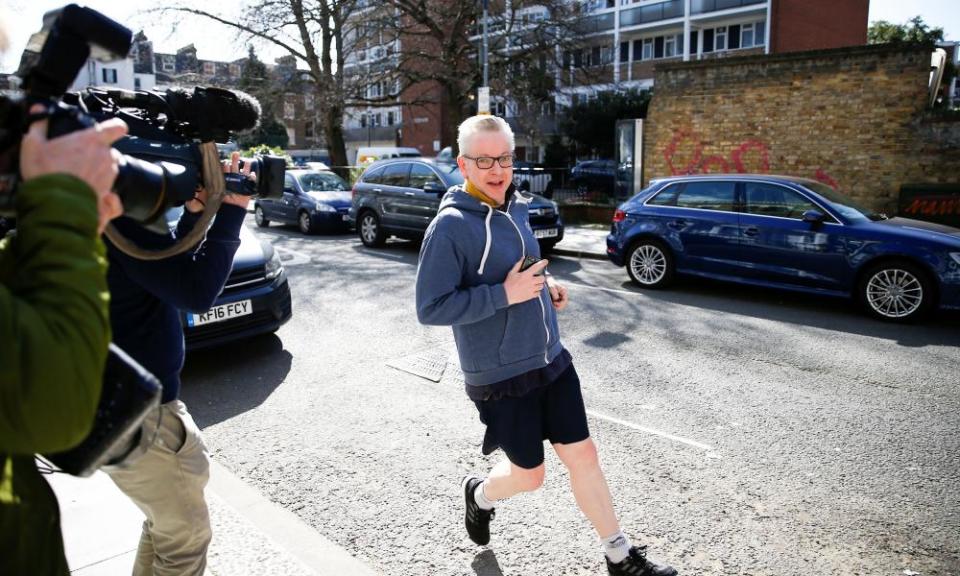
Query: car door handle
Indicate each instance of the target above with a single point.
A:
(378, 189)
(751, 231)
(677, 224)
(409, 193)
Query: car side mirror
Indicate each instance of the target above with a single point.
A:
(814, 217)
(435, 187)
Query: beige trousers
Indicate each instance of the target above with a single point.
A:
(166, 482)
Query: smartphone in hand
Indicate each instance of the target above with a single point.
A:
(528, 262)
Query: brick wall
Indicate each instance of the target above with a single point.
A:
(817, 24)
(853, 118)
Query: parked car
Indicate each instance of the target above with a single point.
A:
(788, 233)
(255, 299)
(400, 197)
(592, 178)
(314, 200)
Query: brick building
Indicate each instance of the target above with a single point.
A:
(857, 119)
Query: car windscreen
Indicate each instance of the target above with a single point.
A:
(320, 182)
(845, 206)
(451, 173)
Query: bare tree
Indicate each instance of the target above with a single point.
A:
(312, 32)
(438, 60)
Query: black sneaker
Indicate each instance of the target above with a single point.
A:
(637, 564)
(476, 518)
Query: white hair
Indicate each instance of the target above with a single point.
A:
(482, 123)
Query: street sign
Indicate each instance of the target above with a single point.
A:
(483, 100)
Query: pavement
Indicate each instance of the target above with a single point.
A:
(584, 241)
(251, 534)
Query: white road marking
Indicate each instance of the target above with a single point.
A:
(649, 430)
(614, 290)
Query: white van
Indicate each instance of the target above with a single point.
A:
(368, 154)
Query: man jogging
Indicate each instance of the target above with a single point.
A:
(522, 380)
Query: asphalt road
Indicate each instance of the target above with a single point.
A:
(743, 431)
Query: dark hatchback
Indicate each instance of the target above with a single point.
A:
(400, 197)
(314, 200)
(255, 299)
(788, 233)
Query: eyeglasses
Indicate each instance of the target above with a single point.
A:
(486, 162)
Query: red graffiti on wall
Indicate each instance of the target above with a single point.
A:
(684, 154)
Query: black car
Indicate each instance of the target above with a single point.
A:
(314, 200)
(400, 197)
(255, 299)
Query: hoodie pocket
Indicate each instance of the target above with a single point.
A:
(524, 335)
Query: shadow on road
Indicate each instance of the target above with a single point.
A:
(219, 383)
(485, 564)
(838, 314)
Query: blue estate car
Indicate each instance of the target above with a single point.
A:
(788, 233)
(314, 200)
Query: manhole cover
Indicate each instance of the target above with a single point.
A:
(429, 365)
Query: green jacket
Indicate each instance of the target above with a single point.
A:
(54, 332)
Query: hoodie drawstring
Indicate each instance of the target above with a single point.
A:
(489, 240)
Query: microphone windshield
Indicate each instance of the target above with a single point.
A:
(216, 109)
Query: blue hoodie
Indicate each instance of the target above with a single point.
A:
(467, 252)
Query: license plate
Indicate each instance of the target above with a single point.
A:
(546, 233)
(221, 313)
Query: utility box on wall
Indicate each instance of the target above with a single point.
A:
(629, 179)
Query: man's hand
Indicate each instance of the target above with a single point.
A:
(558, 294)
(85, 154)
(234, 166)
(526, 285)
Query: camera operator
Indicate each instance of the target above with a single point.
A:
(167, 480)
(53, 328)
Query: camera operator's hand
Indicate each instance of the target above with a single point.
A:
(85, 154)
(234, 166)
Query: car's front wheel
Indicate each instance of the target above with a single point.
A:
(368, 226)
(650, 264)
(896, 291)
(305, 223)
(259, 217)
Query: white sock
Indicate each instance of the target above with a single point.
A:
(481, 499)
(616, 547)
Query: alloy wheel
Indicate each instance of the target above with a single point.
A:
(894, 293)
(649, 264)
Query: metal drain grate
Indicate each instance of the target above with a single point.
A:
(429, 365)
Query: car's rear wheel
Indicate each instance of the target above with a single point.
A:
(896, 291)
(368, 227)
(305, 223)
(260, 218)
(650, 264)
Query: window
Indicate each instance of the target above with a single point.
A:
(421, 175)
(498, 108)
(308, 129)
(289, 110)
(109, 76)
(770, 200)
(733, 37)
(746, 36)
(396, 174)
(376, 120)
(707, 196)
(209, 68)
(720, 38)
(288, 184)
(648, 48)
(670, 47)
(658, 47)
(667, 196)
(169, 65)
(391, 118)
(374, 176)
(308, 102)
(752, 35)
(624, 52)
(708, 40)
(638, 49)
(363, 120)
(136, 84)
(759, 33)
(595, 57)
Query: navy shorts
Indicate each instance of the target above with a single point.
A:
(519, 425)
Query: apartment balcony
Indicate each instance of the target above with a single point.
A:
(372, 134)
(705, 6)
(544, 125)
